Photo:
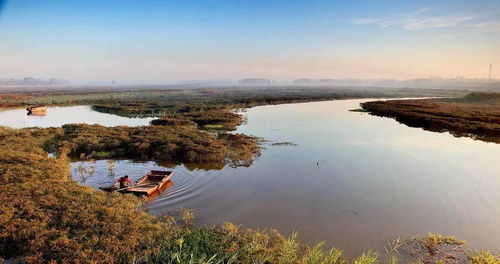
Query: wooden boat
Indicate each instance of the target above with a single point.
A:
(37, 113)
(148, 184)
(151, 182)
(36, 109)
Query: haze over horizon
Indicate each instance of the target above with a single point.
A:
(155, 41)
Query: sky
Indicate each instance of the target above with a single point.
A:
(153, 41)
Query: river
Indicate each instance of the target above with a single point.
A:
(59, 115)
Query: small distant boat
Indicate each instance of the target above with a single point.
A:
(151, 182)
(37, 113)
(36, 109)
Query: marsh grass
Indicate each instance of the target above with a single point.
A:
(160, 143)
(284, 143)
(436, 240)
(483, 257)
(433, 248)
(476, 115)
(173, 122)
(111, 167)
(368, 257)
(317, 255)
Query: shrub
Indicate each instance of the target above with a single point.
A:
(483, 257)
(156, 142)
(174, 122)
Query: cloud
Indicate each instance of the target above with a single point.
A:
(419, 11)
(420, 20)
(362, 21)
(493, 26)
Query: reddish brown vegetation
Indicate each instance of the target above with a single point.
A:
(174, 122)
(476, 115)
(12, 97)
(162, 143)
(221, 119)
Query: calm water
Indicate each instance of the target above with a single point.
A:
(58, 116)
(354, 180)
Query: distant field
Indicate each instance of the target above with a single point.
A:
(164, 97)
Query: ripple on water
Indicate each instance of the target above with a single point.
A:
(186, 183)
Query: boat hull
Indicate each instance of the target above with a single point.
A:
(150, 183)
(37, 109)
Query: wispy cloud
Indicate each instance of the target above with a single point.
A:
(418, 12)
(419, 20)
(492, 26)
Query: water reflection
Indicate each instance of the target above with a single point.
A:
(195, 166)
(186, 181)
(60, 115)
(352, 180)
(36, 113)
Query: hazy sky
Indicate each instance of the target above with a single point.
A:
(161, 41)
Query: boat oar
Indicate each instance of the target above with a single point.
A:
(139, 185)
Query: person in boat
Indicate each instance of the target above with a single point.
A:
(124, 182)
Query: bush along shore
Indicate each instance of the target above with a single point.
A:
(476, 115)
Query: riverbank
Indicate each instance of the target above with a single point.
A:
(476, 115)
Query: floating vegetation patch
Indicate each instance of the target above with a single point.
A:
(174, 122)
(360, 110)
(435, 248)
(284, 143)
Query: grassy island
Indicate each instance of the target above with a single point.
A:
(476, 115)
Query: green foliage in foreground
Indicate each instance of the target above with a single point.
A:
(484, 257)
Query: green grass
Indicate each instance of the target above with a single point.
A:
(102, 155)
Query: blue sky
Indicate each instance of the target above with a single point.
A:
(163, 41)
